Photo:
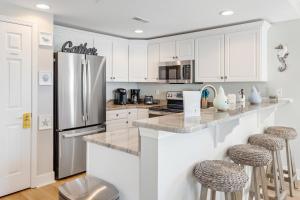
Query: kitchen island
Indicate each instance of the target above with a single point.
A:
(156, 163)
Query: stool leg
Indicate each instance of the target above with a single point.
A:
(213, 195)
(256, 183)
(251, 191)
(294, 169)
(227, 196)
(275, 176)
(289, 165)
(264, 184)
(203, 194)
(280, 170)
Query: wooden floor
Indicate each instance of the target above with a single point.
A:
(50, 192)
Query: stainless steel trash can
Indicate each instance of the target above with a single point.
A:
(88, 188)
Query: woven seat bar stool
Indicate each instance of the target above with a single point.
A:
(275, 145)
(220, 176)
(287, 134)
(258, 158)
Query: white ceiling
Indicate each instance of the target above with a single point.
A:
(165, 16)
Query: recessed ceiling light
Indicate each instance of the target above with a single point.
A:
(226, 12)
(138, 31)
(42, 6)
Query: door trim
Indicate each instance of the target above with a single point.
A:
(34, 93)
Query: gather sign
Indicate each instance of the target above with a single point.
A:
(82, 49)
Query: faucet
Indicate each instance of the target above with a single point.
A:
(208, 86)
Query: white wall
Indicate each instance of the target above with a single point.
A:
(44, 21)
(287, 33)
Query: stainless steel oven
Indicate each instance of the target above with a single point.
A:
(177, 71)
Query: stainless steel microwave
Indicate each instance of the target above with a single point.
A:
(177, 71)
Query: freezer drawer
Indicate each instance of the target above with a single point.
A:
(72, 150)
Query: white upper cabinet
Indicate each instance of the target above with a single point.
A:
(242, 56)
(185, 49)
(235, 54)
(138, 61)
(120, 60)
(209, 59)
(167, 51)
(104, 48)
(177, 50)
(153, 62)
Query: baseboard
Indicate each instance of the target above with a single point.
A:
(43, 179)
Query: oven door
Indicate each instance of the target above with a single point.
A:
(170, 74)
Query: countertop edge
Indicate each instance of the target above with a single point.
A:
(142, 124)
(111, 146)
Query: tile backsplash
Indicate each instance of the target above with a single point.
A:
(159, 90)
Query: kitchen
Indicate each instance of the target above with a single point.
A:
(148, 70)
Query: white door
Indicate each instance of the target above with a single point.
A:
(120, 60)
(153, 62)
(167, 51)
(185, 49)
(15, 83)
(104, 48)
(138, 61)
(209, 59)
(241, 56)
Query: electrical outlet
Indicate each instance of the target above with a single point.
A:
(279, 92)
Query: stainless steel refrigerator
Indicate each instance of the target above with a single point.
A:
(79, 108)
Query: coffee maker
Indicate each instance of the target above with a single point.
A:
(134, 96)
(120, 96)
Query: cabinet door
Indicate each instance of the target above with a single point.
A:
(120, 61)
(153, 62)
(185, 49)
(104, 48)
(209, 59)
(167, 51)
(138, 61)
(241, 56)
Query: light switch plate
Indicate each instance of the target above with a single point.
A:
(45, 78)
(45, 122)
(45, 39)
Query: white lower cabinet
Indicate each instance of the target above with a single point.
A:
(122, 119)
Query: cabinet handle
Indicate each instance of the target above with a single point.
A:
(129, 113)
(114, 77)
(145, 78)
(225, 77)
(222, 77)
(126, 122)
(117, 115)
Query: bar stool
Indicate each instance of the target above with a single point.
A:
(256, 157)
(273, 144)
(222, 176)
(287, 134)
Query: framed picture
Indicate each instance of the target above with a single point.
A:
(45, 78)
(45, 39)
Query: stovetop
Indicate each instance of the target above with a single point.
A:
(167, 108)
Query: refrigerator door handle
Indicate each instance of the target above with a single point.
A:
(70, 135)
(88, 99)
(83, 92)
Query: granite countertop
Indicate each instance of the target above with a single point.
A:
(124, 140)
(111, 106)
(177, 123)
